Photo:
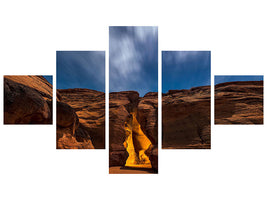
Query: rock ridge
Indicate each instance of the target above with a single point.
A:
(239, 102)
(186, 118)
(87, 127)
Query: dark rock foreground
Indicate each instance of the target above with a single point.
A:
(27, 100)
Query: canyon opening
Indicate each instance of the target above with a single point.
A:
(137, 144)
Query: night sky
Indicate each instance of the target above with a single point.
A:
(81, 69)
(227, 78)
(133, 59)
(185, 69)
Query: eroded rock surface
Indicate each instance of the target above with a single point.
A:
(27, 100)
(80, 119)
(239, 102)
(143, 112)
(186, 118)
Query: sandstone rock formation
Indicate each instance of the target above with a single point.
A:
(239, 102)
(186, 118)
(80, 119)
(133, 129)
(27, 100)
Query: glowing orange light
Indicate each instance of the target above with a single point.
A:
(136, 144)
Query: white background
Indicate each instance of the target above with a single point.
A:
(32, 168)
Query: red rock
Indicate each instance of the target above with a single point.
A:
(89, 107)
(120, 106)
(186, 118)
(27, 100)
(148, 115)
(123, 106)
(239, 102)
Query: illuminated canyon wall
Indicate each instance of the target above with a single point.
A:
(133, 129)
(137, 144)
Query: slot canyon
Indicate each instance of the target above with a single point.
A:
(133, 132)
(136, 144)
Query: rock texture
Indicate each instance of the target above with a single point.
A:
(27, 100)
(80, 119)
(186, 118)
(122, 106)
(239, 102)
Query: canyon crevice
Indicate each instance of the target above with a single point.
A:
(133, 130)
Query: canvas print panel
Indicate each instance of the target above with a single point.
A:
(238, 99)
(133, 100)
(80, 100)
(28, 99)
(186, 99)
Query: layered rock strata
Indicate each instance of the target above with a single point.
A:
(186, 118)
(80, 119)
(239, 102)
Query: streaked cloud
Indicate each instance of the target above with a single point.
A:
(185, 69)
(179, 59)
(133, 59)
(81, 69)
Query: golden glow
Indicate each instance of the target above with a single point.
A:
(136, 144)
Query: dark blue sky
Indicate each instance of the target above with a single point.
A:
(227, 78)
(133, 59)
(49, 79)
(81, 69)
(185, 69)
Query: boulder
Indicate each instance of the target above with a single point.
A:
(89, 108)
(27, 100)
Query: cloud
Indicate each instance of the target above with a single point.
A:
(185, 69)
(131, 52)
(143, 33)
(125, 59)
(81, 69)
(92, 63)
(178, 58)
